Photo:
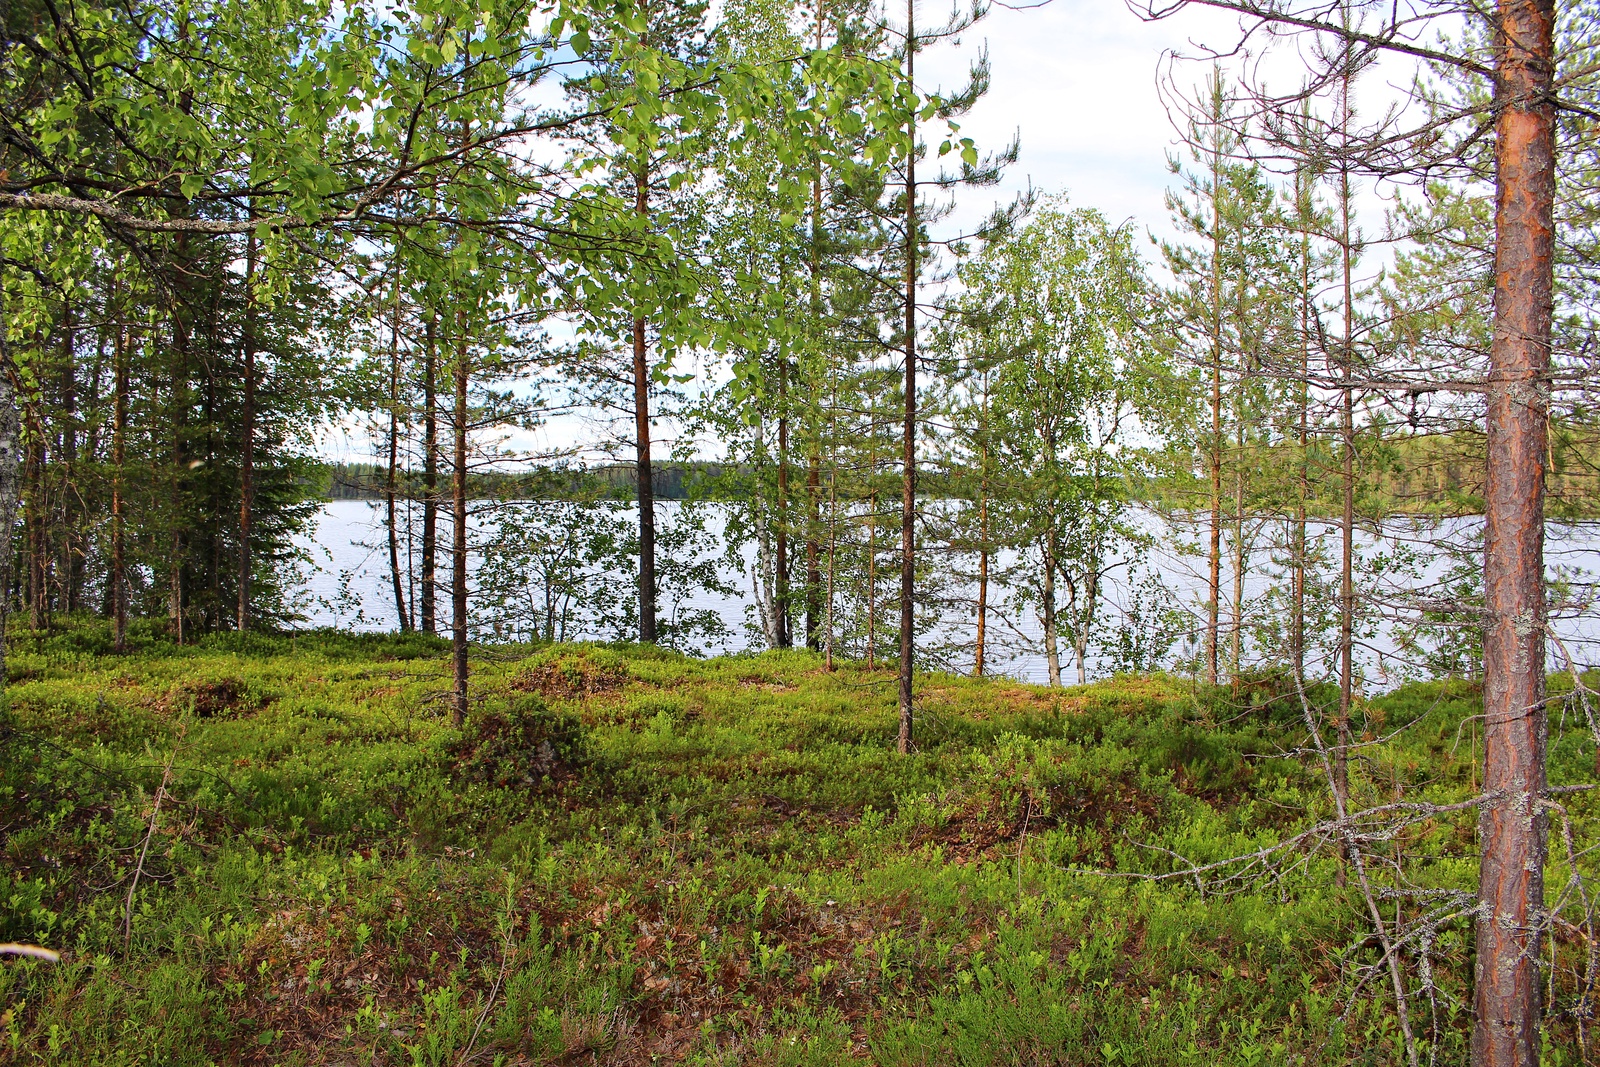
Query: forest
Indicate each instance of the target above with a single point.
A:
(736, 444)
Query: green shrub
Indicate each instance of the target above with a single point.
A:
(525, 744)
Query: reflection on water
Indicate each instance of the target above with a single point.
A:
(350, 587)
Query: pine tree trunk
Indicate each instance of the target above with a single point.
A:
(981, 640)
(248, 433)
(119, 436)
(833, 518)
(458, 516)
(37, 509)
(69, 571)
(645, 474)
(1512, 823)
(1297, 607)
(180, 412)
(813, 553)
(1241, 560)
(1347, 448)
(814, 591)
(833, 527)
(872, 579)
(390, 486)
(1240, 554)
(10, 467)
(908, 442)
(983, 568)
(1214, 554)
(211, 610)
(430, 476)
(94, 429)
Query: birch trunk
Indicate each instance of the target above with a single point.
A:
(782, 563)
(1047, 615)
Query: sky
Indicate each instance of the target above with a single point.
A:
(1077, 81)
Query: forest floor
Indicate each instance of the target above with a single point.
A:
(268, 850)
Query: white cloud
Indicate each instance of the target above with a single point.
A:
(1079, 80)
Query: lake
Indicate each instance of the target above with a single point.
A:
(348, 587)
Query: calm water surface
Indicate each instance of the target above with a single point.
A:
(349, 586)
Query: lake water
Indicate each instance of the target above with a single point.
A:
(349, 587)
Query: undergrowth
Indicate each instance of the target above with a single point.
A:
(275, 850)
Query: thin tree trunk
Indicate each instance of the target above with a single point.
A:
(762, 583)
(1047, 612)
(785, 639)
(11, 461)
(1240, 562)
(833, 541)
(813, 552)
(93, 432)
(1080, 655)
(1240, 554)
(68, 452)
(641, 421)
(814, 475)
(37, 504)
(247, 459)
(833, 513)
(1347, 518)
(180, 390)
(390, 488)
(1512, 823)
(211, 610)
(119, 432)
(10, 465)
(983, 567)
(872, 579)
(908, 443)
(458, 517)
(1214, 556)
(1091, 595)
(430, 475)
(1297, 610)
(1092, 573)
